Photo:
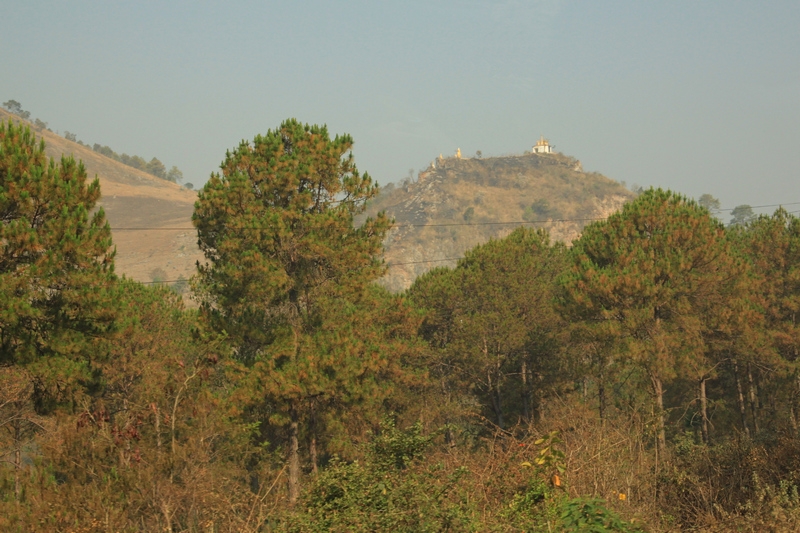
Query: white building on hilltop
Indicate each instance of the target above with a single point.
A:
(542, 147)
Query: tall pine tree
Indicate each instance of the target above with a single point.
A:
(493, 325)
(56, 272)
(659, 277)
(285, 272)
(772, 244)
(56, 261)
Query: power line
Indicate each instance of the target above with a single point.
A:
(427, 261)
(388, 265)
(424, 261)
(448, 224)
(759, 206)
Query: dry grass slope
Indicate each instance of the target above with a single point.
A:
(132, 198)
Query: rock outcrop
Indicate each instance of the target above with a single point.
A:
(459, 203)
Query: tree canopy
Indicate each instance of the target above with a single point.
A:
(741, 215)
(492, 322)
(659, 277)
(285, 265)
(15, 107)
(56, 260)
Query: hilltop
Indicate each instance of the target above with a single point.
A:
(454, 205)
(133, 198)
(458, 203)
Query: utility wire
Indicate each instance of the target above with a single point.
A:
(390, 265)
(446, 224)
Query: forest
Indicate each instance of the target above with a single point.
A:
(643, 378)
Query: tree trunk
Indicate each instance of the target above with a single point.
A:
(157, 413)
(17, 459)
(540, 415)
(525, 406)
(312, 447)
(312, 452)
(494, 396)
(449, 438)
(704, 410)
(601, 395)
(294, 456)
(795, 397)
(661, 437)
(740, 398)
(494, 384)
(500, 420)
(753, 398)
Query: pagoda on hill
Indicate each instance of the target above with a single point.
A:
(542, 147)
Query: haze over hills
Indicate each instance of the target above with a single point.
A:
(134, 200)
(458, 203)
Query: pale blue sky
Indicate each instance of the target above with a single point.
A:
(693, 96)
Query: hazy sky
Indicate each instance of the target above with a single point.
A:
(693, 96)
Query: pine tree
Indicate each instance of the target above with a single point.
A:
(175, 175)
(56, 264)
(56, 270)
(286, 269)
(493, 323)
(660, 278)
(772, 245)
(156, 168)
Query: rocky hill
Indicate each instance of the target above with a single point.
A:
(458, 203)
(150, 217)
(454, 205)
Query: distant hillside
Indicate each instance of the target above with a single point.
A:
(458, 203)
(133, 198)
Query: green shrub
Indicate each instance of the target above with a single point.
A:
(590, 515)
(540, 209)
(391, 490)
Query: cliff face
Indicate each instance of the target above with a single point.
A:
(457, 204)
